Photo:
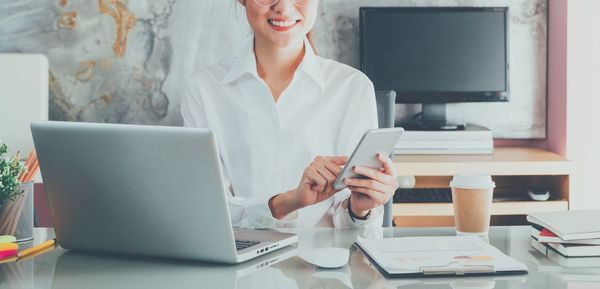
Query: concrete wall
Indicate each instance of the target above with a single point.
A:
(96, 77)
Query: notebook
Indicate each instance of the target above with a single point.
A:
(576, 250)
(569, 225)
(410, 257)
(561, 260)
(544, 235)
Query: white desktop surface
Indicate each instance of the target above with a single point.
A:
(69, 269)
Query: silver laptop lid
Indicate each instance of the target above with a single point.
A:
(135, 189)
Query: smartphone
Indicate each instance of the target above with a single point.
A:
(373, 142)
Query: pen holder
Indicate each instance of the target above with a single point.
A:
(16, 216)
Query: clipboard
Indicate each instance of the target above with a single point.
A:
(498, 264)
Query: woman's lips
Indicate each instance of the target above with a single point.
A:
(283, 25)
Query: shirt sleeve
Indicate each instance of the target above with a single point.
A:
(192, 109)
(255, 213)
(362, 119)
(251, 212)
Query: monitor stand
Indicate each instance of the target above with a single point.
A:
(433, 118)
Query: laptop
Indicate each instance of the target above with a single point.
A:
(142, 190)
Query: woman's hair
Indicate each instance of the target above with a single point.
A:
(309, 35)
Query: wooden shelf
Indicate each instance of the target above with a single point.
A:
(514, 170)
(503, 162)
(498, 208)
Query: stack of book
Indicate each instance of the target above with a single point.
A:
(473, 139)
(568, 233)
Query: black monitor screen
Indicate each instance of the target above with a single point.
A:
(436, 54)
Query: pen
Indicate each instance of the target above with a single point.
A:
(37, 248)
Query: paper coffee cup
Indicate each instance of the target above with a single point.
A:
(472, 201)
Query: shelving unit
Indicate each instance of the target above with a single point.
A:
(513, 170)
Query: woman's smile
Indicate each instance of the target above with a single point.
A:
(283, 25)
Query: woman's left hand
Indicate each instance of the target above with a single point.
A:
(374, 191)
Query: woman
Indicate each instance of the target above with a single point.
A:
(285, 119)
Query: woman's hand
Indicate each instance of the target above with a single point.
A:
(375, 191)
(316, 185)
(317, 180)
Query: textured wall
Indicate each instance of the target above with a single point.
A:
(123, 61)
(117, 60)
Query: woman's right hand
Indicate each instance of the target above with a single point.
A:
(315, 186)
(317, 180)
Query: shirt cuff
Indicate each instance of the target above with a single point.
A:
(341, 218)
(255, 213)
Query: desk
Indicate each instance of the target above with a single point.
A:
(68, 269)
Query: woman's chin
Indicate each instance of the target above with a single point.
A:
(286, 41)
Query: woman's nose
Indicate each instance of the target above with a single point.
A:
(282, 6)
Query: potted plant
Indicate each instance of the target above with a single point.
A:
(16, 200)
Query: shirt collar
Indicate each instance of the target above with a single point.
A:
(246, 64)
(310, 64)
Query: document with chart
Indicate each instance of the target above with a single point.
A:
(437, 256)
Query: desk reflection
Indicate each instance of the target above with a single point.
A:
(283, 269)
(17, 275)
(562, 272)
(480, 282)
(83, 270)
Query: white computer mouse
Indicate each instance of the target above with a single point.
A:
(328, 257)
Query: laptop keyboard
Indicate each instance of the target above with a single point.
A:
(423, 195)
(243, 244)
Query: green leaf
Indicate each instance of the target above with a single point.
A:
(10, 169)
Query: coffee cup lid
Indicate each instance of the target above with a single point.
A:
(472, 181)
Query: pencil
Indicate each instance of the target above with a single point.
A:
(36, 248)
(32, 167)
(28, 163)
(36, 253)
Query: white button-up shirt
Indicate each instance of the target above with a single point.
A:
(266, 145)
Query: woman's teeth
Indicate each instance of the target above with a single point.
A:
(282, 23)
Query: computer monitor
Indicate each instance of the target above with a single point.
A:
(436, 55)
